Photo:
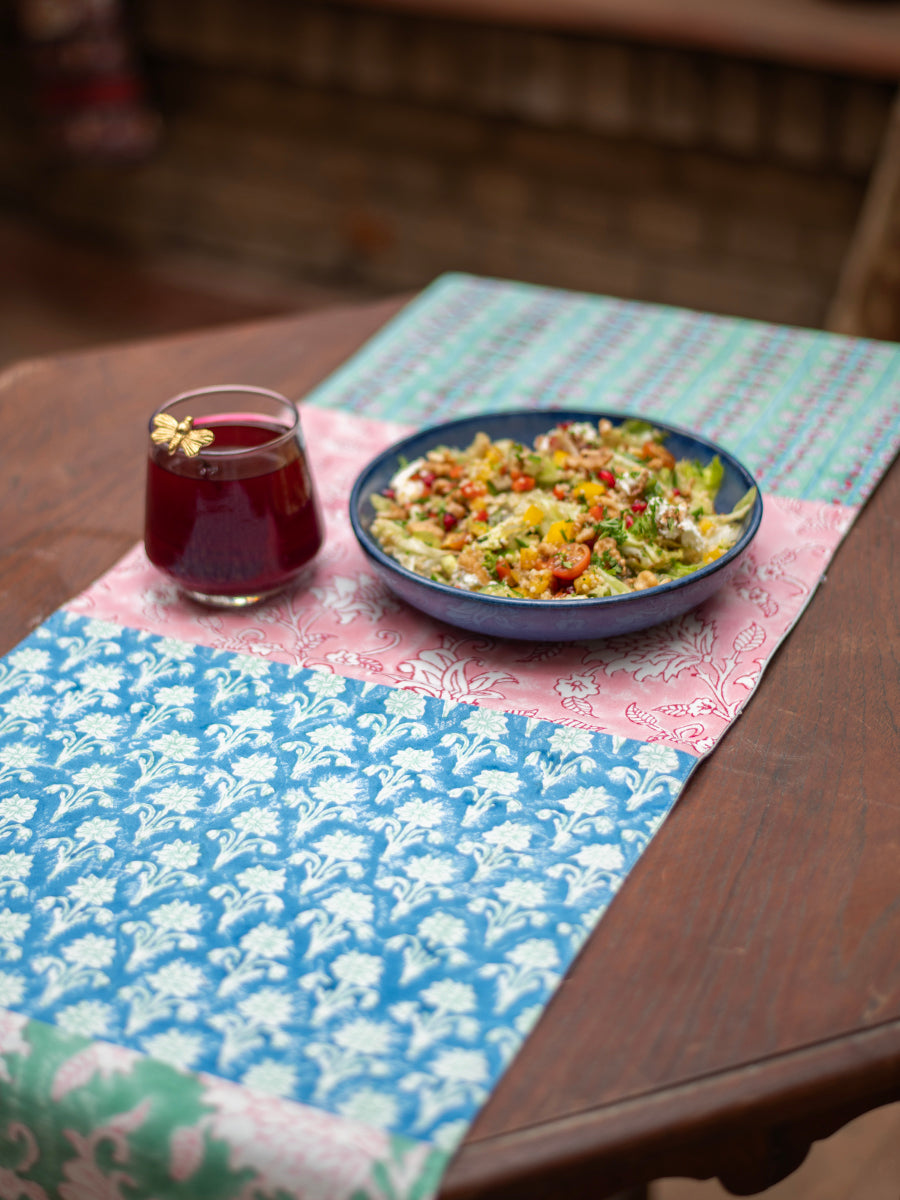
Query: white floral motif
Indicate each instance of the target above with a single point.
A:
(82, 964)
(499, 847)
(408, 767)
(487, 788)
(412, 823)
(255, 887)
(92, 783)
(168, 993)
(88, 844)
(16, 761)
(659, 764)
(22, 712)
(247, 778)
(424, 880)
(175, 701)
(12, 989)
(254, 958)
(453, 1079)
(585, 808)
(401, 719)
(249, 724)
(259, 1018)
(342, 914)
(171, 926)
(334, 854)
(251, 831)
(325, 744)
(167, 808)
(87, 899)
(13, 928)
(357, 1049)
(517, 904)
(333, 796)
(175, 1047)
(271, 1077)
(592, 866)
(89, 1018)
(15, 812)
(355, 983)
(169, 867)
(451, 670)
(484, 738)
(441, 1015)
(530, 964)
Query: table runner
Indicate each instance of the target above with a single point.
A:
(282, 892)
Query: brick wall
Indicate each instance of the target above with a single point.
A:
(377, 150)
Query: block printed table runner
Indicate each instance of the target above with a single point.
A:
(282, 892)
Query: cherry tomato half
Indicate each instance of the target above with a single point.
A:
(570, 561)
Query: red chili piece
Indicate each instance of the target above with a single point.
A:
(639, 506)
(607, 477)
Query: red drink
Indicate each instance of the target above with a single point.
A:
(239, 520)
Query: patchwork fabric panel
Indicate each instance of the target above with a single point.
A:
(814, 416)
(201, 869)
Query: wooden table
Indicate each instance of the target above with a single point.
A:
(742, 996)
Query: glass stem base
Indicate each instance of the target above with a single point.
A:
(230, 601)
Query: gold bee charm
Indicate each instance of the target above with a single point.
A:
(180, 434)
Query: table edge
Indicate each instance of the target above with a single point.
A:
(820, 1087)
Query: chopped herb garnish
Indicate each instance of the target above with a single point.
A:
(613, 527)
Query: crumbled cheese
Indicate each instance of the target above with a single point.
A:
(406, 489)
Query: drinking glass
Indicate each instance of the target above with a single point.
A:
(231, 511)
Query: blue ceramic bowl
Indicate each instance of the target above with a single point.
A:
(548, 620)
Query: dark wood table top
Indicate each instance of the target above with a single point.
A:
(742, 995)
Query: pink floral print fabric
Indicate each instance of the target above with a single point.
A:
(681, 683)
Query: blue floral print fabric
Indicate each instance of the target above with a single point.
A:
(349, 895)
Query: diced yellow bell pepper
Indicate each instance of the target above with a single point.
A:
(535, 583)
(706, 525)
(590, 490)
(712, 555)
(533, 515)
(560, 457)
(560, 531)
(529, 558)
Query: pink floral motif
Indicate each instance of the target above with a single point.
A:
(286, 1142)
(188, 1147)
(12, 1187)
(681, 683)
(85, 1178)
(101, 1058)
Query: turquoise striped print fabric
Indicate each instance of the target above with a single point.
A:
(813, 415)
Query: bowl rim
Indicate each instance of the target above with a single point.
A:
(582, 603)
